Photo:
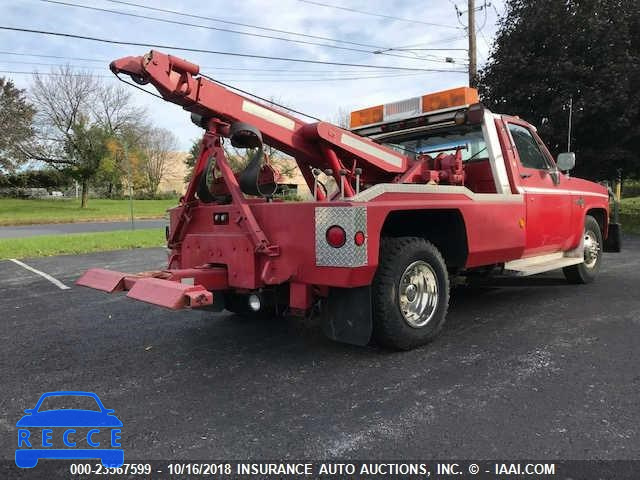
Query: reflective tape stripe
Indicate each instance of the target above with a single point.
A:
(372, 150)
(381, 188)
(268, 115)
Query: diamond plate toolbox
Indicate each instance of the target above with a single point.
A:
(352, 220)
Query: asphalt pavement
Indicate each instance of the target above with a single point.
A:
(525, 368)
(78, 227)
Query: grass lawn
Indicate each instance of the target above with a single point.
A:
(27, 212)
(47, 245)
(630, 215)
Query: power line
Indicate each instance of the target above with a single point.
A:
(486, 42)
(240, 24)
(52, 56)
(217, 52)
(257, 77)
(261, 76)
(177, 22)
(268, 29)
(311, 80)
(41, 64)
(379, 50)
(226, 30)
(391, 17)
(105, 61)
(484, 22)
(253, 80)
(480, 30)
(270, 102)
(404, 49)
(448, 39)
(54, 74)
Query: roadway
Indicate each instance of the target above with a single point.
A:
(78, 227)
(528, 368)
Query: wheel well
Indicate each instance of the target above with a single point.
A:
(600, 214)
(444, 228)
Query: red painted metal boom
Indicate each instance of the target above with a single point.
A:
(320, 145)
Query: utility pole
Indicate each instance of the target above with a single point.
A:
(125, 150)
(473, 64)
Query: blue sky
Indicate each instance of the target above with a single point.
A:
(319, 90)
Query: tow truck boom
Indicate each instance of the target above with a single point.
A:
(320, 145)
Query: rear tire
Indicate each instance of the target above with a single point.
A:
(410, 293)
(587, 271)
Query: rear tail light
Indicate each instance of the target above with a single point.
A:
(336, 236)
(359, 238)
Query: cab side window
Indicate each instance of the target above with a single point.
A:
(528, 150)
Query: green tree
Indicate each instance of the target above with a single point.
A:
(77, 115)
(85, 148)
(113, 109)
(123, 166)
(190, 161)
(158, 146)
(548, 53)
(16, 115)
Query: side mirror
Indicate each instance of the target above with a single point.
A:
(566, 161)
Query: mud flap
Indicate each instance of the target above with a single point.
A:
(613, 243)
(347, 316)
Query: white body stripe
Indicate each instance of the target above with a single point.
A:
(381, 188)
(560, 191)
(496, 159)
(268, 115)
(371, 149)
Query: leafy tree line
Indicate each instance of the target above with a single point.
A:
(86, 130)
(36, 178)
(549, 53)
(16, 115)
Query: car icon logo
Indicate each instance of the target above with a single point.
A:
(53, 430)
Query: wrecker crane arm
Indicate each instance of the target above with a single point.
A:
(321, 145)
(353, 160)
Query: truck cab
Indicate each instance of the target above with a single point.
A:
(504, 158)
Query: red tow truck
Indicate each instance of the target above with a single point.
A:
(426, 189)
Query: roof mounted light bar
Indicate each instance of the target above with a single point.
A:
(414, 107)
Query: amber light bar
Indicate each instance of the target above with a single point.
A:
(449, 98)
(455, 97)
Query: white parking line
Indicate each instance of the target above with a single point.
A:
(56, 282)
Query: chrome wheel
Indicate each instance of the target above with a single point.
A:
(418, 294)
(591, 249)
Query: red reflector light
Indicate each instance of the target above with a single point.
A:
(359, 238)
(336, 236)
